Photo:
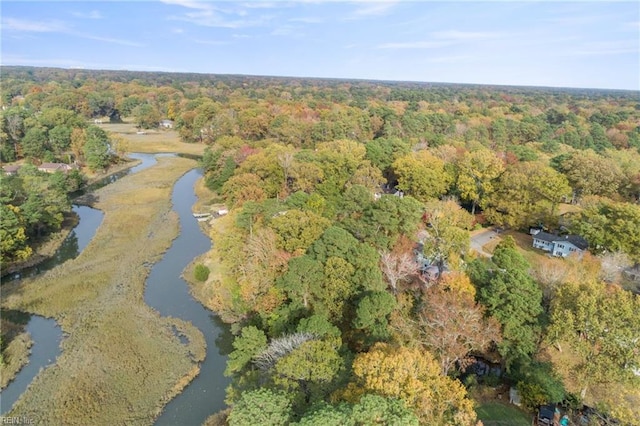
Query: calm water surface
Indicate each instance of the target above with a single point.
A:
(169, 294)
(165, 291)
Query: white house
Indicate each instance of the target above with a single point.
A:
(560, 245)
(166, 124)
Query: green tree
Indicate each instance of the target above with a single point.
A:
(369, 410)
(385, 220)
(538, 384)
(600, 325)
(382, 152)
(247, 345)
(262, 406)
(336, 242)
(422, 175)
(60, 138)
(609, 226)
(309, 369)
(447, 232)
(526, 194)
(96, 148)
(372, 314)
(591, 174)
(375, 409)
(303, 274)
(477, 171)
(201, 272)
(297, 229)
(13, 237)
(34, 143)
(512, 297)
(146, 116)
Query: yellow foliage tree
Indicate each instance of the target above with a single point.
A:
(415, 377)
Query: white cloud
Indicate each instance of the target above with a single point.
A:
(307, 20)
(189, 4)
(21, 25)
(261, 5)
(288, 31)
(210, 42)
(455, 35)
(12, 24)
(220, 14)
(451, 59)
(374, 8)
(607, 48)
(109, 40)
(431, 44)
(573, 20)
(94, 14)
(633, 25)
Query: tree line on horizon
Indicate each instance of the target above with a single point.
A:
(332, 186)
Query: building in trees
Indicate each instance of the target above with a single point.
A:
(558, 245)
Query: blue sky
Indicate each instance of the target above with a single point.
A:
(594, 44)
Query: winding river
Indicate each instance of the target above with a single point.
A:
(165, 291)
(169, 294)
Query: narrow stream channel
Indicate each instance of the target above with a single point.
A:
(169, 294)
(45, 332)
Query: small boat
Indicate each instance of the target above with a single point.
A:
(201, 215)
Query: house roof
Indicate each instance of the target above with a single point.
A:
(56, 166)
(576, 240)
(12, 168)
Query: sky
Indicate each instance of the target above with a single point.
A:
(587, 44)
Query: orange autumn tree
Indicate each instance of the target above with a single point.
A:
(451, 325)
(415, 377)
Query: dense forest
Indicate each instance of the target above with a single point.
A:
(344, 264)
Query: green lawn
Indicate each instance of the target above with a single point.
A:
(498, 414)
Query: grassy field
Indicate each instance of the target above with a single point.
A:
(120, 362)
(501, 414)
(524, 243)
(152, 140)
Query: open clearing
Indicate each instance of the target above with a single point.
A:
(152, 141)
(120, 362)
(500, 414)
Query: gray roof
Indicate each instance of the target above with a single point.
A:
(11, 168)
(576, 240)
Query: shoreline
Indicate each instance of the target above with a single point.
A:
(47, 248)
(104, 360)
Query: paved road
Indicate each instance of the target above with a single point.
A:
(481, 238)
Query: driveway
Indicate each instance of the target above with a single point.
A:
(480, 238)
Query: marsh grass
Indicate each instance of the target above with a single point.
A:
(16, 344)
(121, 361)
(16, 356)
(153, 140)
